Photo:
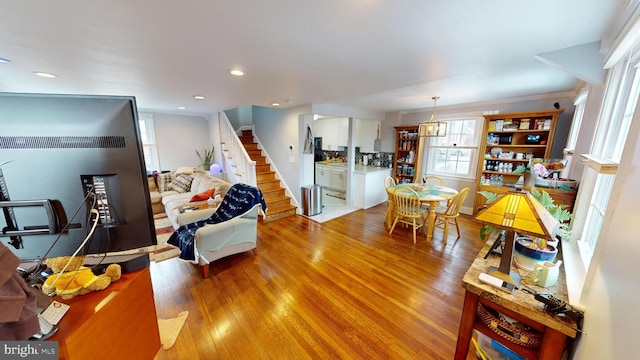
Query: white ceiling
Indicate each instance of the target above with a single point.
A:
(381, 55)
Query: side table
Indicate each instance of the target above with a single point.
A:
(556, 331)
(119, 322)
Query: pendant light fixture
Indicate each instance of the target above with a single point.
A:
(433, 127)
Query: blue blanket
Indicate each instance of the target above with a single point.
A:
(239, 199)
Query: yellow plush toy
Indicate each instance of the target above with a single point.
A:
(77, 279)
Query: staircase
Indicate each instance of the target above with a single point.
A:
(278, 203)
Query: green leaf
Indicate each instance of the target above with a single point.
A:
(491, 197)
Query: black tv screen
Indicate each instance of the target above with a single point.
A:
(62, 156)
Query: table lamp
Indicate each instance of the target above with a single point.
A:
(517, 210)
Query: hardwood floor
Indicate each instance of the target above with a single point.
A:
(344, 289)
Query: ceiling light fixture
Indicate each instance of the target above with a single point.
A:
(433, 127)
(275, 104)
(198, 97)
(236, 72)
(4, 61)
(182, 108)
(45, 75)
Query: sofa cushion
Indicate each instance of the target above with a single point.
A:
(181, 184)
(173, 200)
(163, 180)
(196, 184)
(203, 195)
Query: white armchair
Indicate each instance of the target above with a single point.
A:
(203, 239)
(215, 241)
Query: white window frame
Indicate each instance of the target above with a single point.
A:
(580, 103)
(610, 136)
(600, 168)
(432, 149)
(149, 146)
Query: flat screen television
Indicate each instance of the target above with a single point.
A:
(62, 156)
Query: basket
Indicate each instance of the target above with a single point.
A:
(516, 334)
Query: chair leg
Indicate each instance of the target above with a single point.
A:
(425, 222)
(394, 225)
(446, 230)
(386, 218)
(457, 228)
(414, 230)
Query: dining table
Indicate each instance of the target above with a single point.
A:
(431, 195)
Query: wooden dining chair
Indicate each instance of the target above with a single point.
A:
(433, 180)
(444, 214)
(388, 216)
(408, 210)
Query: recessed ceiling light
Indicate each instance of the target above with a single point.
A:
(198, 97)
(45, 75)
(236, 72)
(4, 61)
(275, 104)
(182, 108)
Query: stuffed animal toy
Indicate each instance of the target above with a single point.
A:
(77, 279)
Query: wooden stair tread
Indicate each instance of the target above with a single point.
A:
(278, 203)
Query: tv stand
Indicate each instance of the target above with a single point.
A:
(119, 322)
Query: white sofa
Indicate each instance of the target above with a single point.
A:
(173, 200)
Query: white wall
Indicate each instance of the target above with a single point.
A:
(178, 137)
(278, 129)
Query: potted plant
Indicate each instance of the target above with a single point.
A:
(205, 158)
(528, 250)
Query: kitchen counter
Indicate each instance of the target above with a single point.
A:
(361, 169)
(370, 190)
(358, 169)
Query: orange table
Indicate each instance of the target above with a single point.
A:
(119, 322)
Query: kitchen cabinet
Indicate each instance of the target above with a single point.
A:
(332, 177)
(338, 179)
(406, 148)
(366, 132)
(323, 177)
(334, 132)
(505, 136)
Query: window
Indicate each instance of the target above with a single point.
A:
(456, 153)
(578, 114)
(618, 108)
(149, 146)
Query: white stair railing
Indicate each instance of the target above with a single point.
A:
(236, 153)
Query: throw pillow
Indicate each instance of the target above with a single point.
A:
(163, 180)
(203, 195)
(184, 170)
(181, 184)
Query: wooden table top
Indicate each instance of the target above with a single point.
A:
(518, 301)
(430, 192)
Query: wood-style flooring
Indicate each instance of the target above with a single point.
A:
(344, 289)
